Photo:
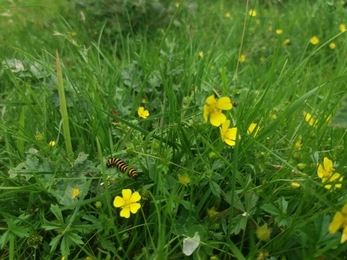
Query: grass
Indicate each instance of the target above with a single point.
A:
(58, 130)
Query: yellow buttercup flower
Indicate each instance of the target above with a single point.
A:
(342, 27)
(340, 221)
(213, 109)
(128, 203)
(314, 40)
(184, 179)
(242, 58)
(75, 192)
(229, 135)
(332, 45)
(279, 31)
(298, 144)
(52, 144)
(228, 15)
(252, 12)
(142, 112)
(327, 173)
(212, 212)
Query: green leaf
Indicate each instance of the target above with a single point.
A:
(215, 188)
(4, 239)
(20, 231)
(283, 204)
(272, 209)
(69, 239)
(55, 242)
(57, 212)
(340, 119)
(238, 223)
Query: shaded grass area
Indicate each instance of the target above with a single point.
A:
(260, 198)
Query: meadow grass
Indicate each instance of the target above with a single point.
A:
(69, 102)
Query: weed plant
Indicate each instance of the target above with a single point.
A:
(270, 185)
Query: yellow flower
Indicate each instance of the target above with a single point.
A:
(252, 12)
(242, 58)
(184, 179)
(326, 172)
(177, 4)
(342, 27)
(314, 40)
(298, 144)
(73, 34)
(201, 54)
(52, 144)
(332, 45)
(75, 192)
(228, 15)
(310, 119)
(128, 203)
(340, 221)
(251, 129)
(142, 112)
(229, 135)
(212, 212)
(279, 31)
(213, 108)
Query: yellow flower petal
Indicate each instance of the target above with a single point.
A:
(320, 171)
(231, 136)
(228, 135)
(135, 197)
(336, 223)
(217, 118)
(344, 210)
(126, 194)
(224, 103)
(225, 125)
(328, 164)
(211, 100)
(118, 202)
(134, 207)
(125, 212)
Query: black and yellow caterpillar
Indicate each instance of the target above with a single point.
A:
(122, 166)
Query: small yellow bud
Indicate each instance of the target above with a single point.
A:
(295, 185)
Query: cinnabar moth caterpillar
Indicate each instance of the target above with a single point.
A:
(122, 166)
